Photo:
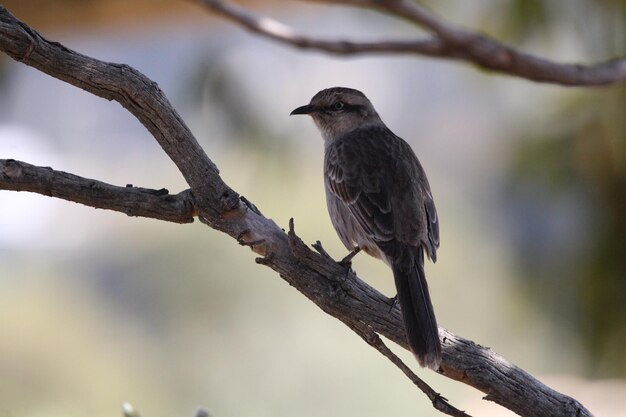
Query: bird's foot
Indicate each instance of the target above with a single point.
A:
(346, 262)
(393, 301)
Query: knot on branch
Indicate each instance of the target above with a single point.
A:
(229, 200)
(12, 169)
(258, 245)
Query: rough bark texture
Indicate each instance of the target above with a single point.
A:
(133, 201)
(322, 280)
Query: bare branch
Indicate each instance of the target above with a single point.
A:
(133, 201)
(133, 90)
(367, 334)
(280, 32)
(371, 338)
(318, 277)
(447, 42)
(439, 402)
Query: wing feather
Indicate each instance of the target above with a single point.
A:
(359, 182)
(380, 181)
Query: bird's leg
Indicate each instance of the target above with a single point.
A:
(393, 301)
(346, 262)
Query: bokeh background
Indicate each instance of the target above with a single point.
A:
(97, 308)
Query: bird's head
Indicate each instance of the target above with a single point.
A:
(339, 110)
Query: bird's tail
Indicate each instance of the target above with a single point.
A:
(417, 312)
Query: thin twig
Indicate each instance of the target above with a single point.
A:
(439, 402)
(447, 42)
(280, 32)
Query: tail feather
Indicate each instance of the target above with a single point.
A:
(417, 312)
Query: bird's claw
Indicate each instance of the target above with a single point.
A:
(393, 301)
(346, 262)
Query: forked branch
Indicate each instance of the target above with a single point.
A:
(446, 41)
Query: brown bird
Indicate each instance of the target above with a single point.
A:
(379, 199)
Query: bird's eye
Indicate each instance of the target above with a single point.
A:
(338, 105)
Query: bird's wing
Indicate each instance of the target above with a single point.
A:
(424, 211)
(380, 180)
(355, 172)
(433, 226)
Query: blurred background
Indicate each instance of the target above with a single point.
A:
(97, 308)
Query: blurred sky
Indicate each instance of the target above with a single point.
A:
(97, 308)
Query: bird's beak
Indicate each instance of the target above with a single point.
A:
(308, 109)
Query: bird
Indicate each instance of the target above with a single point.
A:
(379, 201)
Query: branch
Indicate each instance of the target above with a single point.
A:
(135, 92)
(134, 201)
(347, 298)
(366, 332)
(439, 402)
(371, 338)
(447, 42)
(316, 276)
(280, 32)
